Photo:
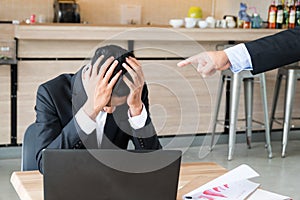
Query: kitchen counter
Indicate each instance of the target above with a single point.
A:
(125, 32)
(46, 50)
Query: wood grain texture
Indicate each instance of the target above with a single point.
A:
(136, 33)
(31, 74)
(62, 49)
(5, 104)
(7, 32)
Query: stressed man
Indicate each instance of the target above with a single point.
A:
(103, 105)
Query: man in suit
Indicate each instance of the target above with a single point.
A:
(103, 105)
(258, 56)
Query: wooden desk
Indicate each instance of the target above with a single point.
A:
(29, 184)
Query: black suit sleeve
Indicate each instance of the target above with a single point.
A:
(275, 51)
(145, 137)
(51, 133)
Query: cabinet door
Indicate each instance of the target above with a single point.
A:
(30, 75)
(5, 104)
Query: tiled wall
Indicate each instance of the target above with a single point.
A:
(108, 12)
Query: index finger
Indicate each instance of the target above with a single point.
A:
(183, 63)
(190, 60)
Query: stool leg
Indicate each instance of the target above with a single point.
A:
(263, 90)
(234, 104)
(217, 108)
(290, 92)
(248, 88)
(275, 98)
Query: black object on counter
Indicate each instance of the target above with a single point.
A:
(66, 12)
(5, 22)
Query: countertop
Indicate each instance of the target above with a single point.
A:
(135, 32)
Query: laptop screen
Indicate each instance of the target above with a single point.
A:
(111, 174)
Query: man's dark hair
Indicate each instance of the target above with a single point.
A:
(120, 89)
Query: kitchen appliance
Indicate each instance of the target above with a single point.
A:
(66, 11)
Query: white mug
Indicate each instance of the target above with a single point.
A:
(210, 22)
(190, 22)
(223, 23)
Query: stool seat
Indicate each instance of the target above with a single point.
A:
(236, 80)
(292, 74)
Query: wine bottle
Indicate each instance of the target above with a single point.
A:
(279, 14)
(292, 14)
(297, 16)
(272, 15)
(286, 7)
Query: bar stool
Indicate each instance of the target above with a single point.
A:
(236, 81)
(292, 74)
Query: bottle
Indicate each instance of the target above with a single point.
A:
(279, 14)
(286, 7)
(256, 20)
(32, 19)
(292, 14)
(272, 15)
(297, 15)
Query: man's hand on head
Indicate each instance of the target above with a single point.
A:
(134, 100)
(97, 86)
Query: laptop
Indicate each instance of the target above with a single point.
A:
(111, 174)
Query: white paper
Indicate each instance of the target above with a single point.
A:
(231, 191)
(240, 173)
(266, 195)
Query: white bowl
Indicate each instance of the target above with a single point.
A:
(190, 22)
(176, 23)
(202, 24)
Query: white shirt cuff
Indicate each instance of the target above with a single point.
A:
(138, 121)
(85, 122)
(239, 58)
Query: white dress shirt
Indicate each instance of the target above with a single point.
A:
(88, 125)
(239, 58)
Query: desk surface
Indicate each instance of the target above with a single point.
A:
(29, 184)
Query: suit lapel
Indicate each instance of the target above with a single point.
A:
(78, 94)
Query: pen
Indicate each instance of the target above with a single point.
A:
(198, 198)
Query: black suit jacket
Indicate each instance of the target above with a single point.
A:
(275, 51)
(59, 99)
